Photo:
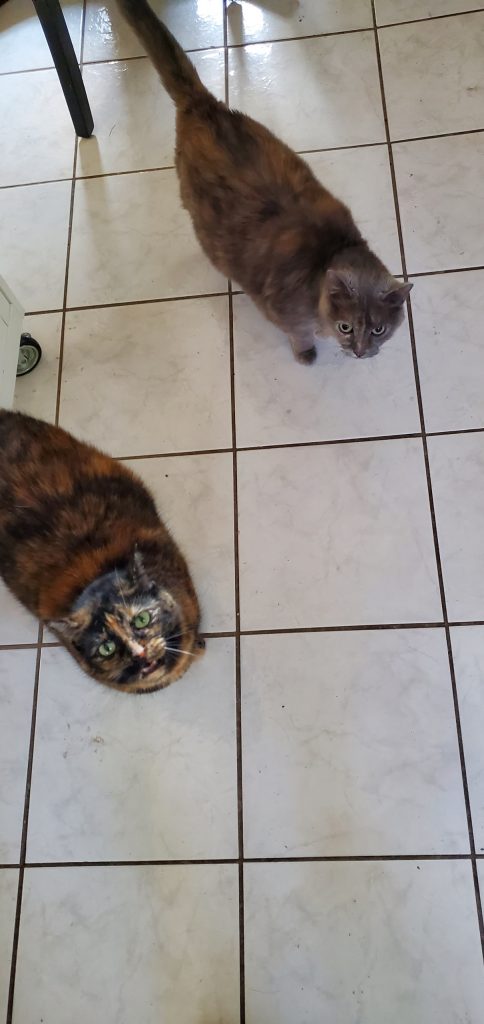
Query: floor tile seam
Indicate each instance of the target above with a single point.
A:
(349, 858)
(347, 31)
(228, 634)
(131, 171)
(23, 840)
(209, 295)
(238, 700)
(25, 822)
(433, 518)
(255, 42)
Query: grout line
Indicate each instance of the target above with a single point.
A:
(438, 135)
(213, 295)
(275, 447)
(23, 844)
(238, 699)
(451, 270)
(146, 302)
(63, 324)
(26, 71)
(197, 861)
(128, 863)
(119, 174)
(450, 433)
(175, 455)
(358, 858)
(365, 627)
(329, 441)
(434, 17)
(256, 42)
(19, 647)
(349, 31)
(335, 149)
(300, 152)
(28, 184)
(144, 56)
(69, 239)
(11, 988)
(438, 559)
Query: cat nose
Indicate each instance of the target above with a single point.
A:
(137, 649)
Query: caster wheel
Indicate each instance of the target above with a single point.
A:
(30, 354)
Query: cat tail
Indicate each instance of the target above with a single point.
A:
(176, 71)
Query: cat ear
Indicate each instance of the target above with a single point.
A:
(70, 627)
(340, 282)
(398, 293)
(138, 571)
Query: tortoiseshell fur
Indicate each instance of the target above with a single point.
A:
(264, 219)
(83, 548)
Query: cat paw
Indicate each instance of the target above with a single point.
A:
(308, 356)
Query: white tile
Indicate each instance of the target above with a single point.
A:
(457, 470)
(313, 93)
(33, 240)
(362, 942)
(361, 178)
(118, 944)
(336, 535)
(36, 393)
(132, 239)
(22, 41)
(195, 496)
(441, 194)
(195, 23)
(148, 379)
(135, 117)
(468, 651)
(42, 145)
(448, 310)
(278, 401)
(122, 779)
(434, 76)
(333, 727)
(17, 626)
(250, 21)
(17, 676)
(8, 902)
(388, 11)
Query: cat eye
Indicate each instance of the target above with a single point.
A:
(142, 620)
(107, 649)
(344, 328)
(378, 330)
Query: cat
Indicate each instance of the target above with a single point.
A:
(265, 221)
(83, 548)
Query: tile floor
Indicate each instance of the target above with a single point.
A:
(294, 833)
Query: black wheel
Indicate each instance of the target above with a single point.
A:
(30, 354)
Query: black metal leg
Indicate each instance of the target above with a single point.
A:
(60, 45)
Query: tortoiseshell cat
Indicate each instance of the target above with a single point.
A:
(263, 218)
(82, 547)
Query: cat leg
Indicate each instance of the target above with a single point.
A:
(304, 348)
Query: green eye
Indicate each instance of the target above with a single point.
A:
(142, 620)
(107, 649)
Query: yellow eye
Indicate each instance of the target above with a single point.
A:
(107, 649)
(378, 330)
(142, 620)
(344, 328)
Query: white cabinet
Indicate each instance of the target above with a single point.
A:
(11, 319)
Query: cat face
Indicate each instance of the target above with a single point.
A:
(130, 633)
(361, 308)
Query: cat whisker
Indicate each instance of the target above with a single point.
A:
(178, 650)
